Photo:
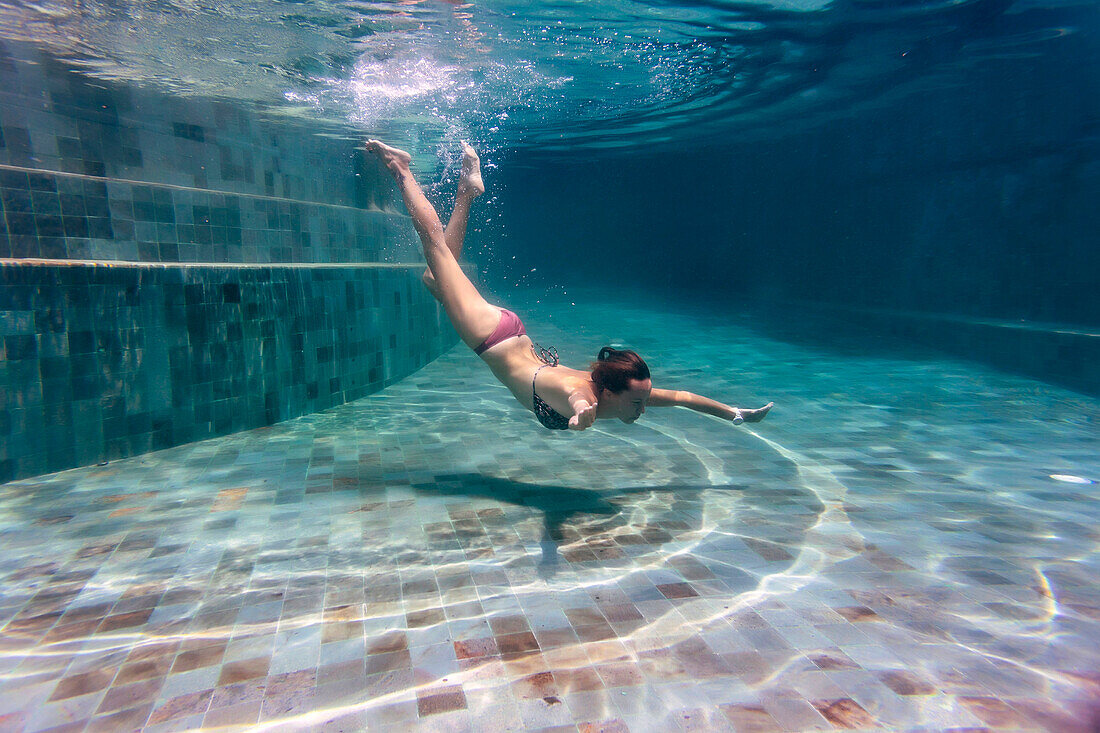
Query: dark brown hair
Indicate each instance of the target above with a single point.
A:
(614, 368)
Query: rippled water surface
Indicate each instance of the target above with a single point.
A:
(601, 74)
(906, 541)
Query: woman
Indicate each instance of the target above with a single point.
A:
(617, 384)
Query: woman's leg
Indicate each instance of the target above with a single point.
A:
(471, 315)
(470, 186)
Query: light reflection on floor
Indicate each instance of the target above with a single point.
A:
(893, 548)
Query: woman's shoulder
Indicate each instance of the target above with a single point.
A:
(571, 379)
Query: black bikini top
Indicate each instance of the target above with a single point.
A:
(550, 418)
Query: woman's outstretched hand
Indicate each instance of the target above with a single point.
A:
(584, 417)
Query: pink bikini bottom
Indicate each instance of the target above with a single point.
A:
(510, 325)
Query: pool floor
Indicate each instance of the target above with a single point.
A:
(907, 542)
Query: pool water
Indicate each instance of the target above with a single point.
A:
(908, 541)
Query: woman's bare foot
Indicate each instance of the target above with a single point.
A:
(758, 414)
(396, 160)
(469, 181)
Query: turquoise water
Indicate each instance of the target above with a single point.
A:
(599, 76)
(907, 542)
(854, 209)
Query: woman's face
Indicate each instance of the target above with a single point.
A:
(629, 404)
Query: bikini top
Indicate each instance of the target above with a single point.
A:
(550, 418)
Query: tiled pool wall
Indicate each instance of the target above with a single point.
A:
(92, 170)
(176, 269)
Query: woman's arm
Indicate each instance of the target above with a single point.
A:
(682, 398)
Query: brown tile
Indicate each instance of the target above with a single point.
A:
(605, 652)
(512, 624)
(83, 684)
(341, 631)
(390, 661)
(661, 665)
(858, 613)
(621, 612)
(427, 617)
(153, 651)
(769, 551)
(86, 613)
(517, 643)
(535, 686)
(451, 582)
(96, 550)
(239, 693)
(184, 705)
(181, 595)
(287, 704)
(392, 641)
(750, 719)
(705, 665)
(129, 719)
(476, 648)
(125, 620)
(248, 669)
(420, 588)
(348, 612)
(595, 632)
(694, 570)
(832, 659)
(129, 696)
(136, 603)
(845, 713)
(584, 616)
(609, 552)
(521, 665)
(620, 674)
(884, 561)
(554, 638)
(994, 711)
(578, 680)
(33, 624)
(198, 658)
(677, 590)
(906, 683)
(287, 682)
(440, 700)
(143, 670)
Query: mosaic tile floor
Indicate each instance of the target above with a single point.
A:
(890, 550)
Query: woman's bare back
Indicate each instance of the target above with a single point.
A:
(514, 362)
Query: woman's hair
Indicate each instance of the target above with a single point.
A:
(614, 368)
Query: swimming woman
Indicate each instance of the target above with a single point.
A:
(616, 385)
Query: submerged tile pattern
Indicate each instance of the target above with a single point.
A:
(102, 362)
(93, 169)
(45, 214)
(56, 118)
(889, 551)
